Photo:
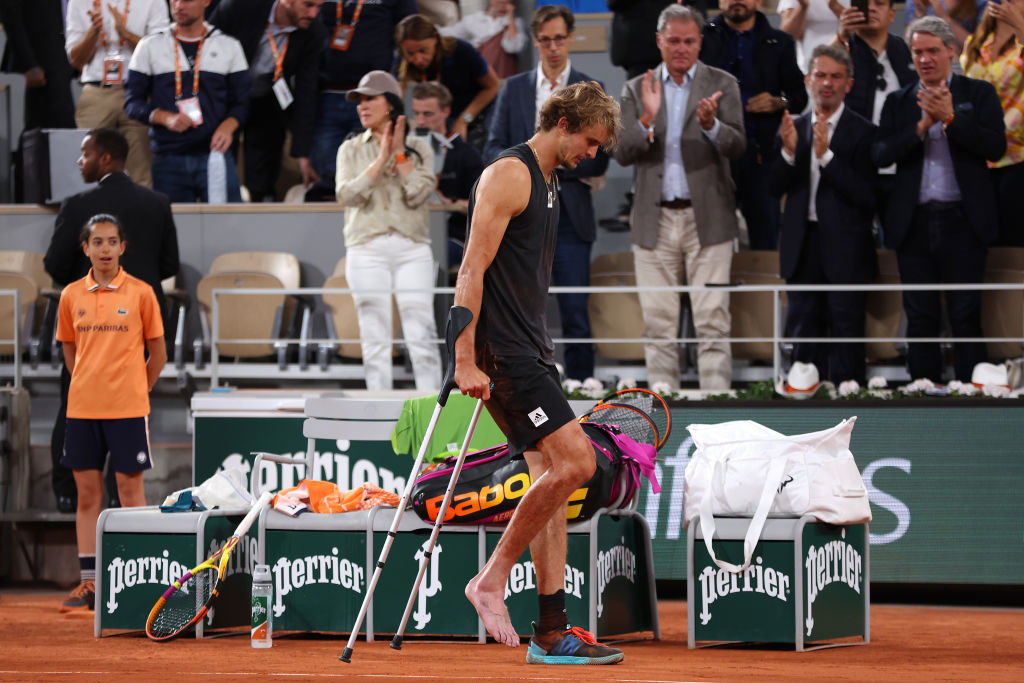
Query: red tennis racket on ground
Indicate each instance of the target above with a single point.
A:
(651, 403)
(188, 599)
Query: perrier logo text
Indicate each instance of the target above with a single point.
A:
(715, 584)
(834, 561)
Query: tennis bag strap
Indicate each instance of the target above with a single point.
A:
(773, 477)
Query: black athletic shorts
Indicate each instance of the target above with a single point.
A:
(527, 402)
(87, 442)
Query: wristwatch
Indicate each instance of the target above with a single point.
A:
(785, 101)
(467, 117)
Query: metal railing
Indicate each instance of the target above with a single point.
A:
(776, 339)
(216, 364)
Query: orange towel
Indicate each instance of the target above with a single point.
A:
(326, 497)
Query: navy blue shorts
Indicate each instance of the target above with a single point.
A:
(527, 401)
(87, 442)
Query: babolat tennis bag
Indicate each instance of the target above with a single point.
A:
(492, 482)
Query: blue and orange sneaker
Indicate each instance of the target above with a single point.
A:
(571, 646)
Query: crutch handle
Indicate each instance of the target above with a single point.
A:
(459, 318)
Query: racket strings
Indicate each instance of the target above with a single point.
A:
(183, 604)
(630, 421)
(652, 404)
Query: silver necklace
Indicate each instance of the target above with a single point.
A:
(551, 186)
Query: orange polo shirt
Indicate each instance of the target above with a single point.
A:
(109, 326)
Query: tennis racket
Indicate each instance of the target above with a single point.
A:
(651, 403)
(632, 421)
(188, 599)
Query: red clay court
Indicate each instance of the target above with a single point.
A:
(907, 644)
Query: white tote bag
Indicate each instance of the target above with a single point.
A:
(744, 469)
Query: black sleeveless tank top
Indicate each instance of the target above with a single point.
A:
(513, 309)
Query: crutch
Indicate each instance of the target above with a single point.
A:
(458, 319)
(396, 642)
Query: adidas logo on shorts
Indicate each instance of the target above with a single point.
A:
(538, 416)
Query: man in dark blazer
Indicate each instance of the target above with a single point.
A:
(514, 120)
(763, 59)
(457, 164)
(35, 47)
(299, 42)
(881, 60)
(681, 124)
(825, 171)
(151, 254)
(883, 65)
(939, 132)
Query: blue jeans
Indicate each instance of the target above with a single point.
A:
(182, 177)
(571, 268)
(337, 118)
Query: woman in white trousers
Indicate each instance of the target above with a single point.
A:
(384, 181)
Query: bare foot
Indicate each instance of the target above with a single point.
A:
(493, 612)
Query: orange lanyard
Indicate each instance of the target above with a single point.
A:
(177, 67)
(103, 34)
(355, 15)
(278, 58)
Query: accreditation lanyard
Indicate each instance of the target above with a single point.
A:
(343, 32)
(278, 55)
(113, 62)
(103, 33)
(177, 67)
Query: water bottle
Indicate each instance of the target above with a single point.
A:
(262, 598)
(216, 178)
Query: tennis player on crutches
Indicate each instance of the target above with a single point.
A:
(503, 281)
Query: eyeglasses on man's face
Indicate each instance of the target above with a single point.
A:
(557, 41)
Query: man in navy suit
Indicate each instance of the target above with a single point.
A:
(514, 120)
(825, 171)
(940, 131)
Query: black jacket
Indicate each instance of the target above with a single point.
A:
(844, 202)
(35, 37)
(246, 21)
(634, 24)
(462, 166)
(775, 72)
(977, 134)
(861, 97)
(152, 240)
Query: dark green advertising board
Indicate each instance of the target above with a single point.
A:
(138, 567)
(943, 477)
(806, 585)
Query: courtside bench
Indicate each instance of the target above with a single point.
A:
(327, 560)
(140, 551)
(808, 582)
(609, 569)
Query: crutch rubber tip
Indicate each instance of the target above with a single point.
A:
(346, 656)
(396, 642)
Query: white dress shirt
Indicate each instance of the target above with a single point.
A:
(677, 96)
(144, 17)
(816, 164)
(545, 87)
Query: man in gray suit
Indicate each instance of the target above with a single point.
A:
(681, 123)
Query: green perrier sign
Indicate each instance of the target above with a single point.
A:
(808, 589)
